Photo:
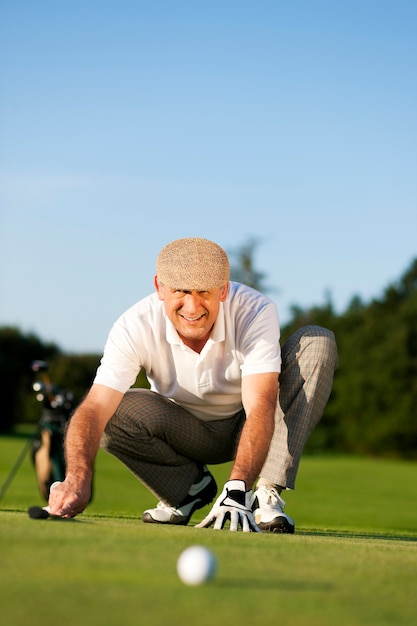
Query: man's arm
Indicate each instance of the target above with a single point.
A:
(259, 398)
(81, 446)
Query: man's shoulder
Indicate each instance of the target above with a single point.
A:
(248, 310)
(242, 295)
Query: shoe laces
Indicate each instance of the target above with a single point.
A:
(273, 499)
(165, 507)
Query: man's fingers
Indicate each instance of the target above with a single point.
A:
(236, 518)
(207, 521)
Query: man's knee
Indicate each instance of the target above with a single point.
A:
(313, 342)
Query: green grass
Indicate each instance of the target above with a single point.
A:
(352, 561)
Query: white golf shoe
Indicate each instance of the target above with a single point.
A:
(267, 507)
(199, 495)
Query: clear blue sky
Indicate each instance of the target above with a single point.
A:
(124, 125)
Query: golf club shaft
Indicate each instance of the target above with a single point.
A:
(16, 466)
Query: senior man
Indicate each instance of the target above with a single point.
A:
(221, 390)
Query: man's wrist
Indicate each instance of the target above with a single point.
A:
(77, 480)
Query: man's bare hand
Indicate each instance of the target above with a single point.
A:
(67, 500)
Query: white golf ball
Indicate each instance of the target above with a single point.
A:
(196, 565)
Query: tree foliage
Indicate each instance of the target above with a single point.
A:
(373, 406)
(66, 372)
(17, 351)
(242, 266)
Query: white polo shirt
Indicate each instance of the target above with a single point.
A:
(244, 340)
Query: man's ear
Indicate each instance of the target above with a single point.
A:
(159, 288)
(223, 293)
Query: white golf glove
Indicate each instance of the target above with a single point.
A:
(233, 505)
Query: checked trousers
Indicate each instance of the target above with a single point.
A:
(165, 446)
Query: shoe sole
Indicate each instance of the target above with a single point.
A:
(176, 520)
(277, 525)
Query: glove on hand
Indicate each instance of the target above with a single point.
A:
(233, 505)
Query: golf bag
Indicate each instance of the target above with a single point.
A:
(48, 444)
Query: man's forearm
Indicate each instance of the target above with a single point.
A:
(69, 498)
(82, 443)
(259, 398)
(253, 448)
(85, 430)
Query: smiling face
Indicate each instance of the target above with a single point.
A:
(192, 313)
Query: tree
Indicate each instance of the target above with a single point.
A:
(17, 351)
(242, 270)
(373, 405)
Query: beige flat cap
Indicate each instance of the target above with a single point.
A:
(193, 263)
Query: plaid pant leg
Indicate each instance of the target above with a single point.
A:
(309, 359)
(164, 445)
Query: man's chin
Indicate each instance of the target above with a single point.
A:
(189, 334)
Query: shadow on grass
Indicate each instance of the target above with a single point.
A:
(51, 519)
(268, 585)
(354, 535)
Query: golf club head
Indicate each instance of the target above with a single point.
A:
(37, 512)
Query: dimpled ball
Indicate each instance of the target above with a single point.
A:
(196, 565)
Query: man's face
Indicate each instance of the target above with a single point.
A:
(192, 313)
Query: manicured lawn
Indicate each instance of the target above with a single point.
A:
(352, 561)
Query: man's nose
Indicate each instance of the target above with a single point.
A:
(191, 302)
